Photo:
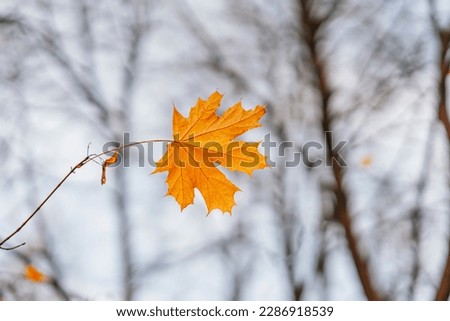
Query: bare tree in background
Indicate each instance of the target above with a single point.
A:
(386, 66)
(113, 118)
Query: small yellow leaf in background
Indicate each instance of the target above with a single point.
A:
(34, 275)
(107, 163)
(366, 161)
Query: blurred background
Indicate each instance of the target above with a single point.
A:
(74, 72)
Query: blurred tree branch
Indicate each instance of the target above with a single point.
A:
(443, 291)
(311, 34)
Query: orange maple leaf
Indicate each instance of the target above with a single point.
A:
(200, 143)
(34, 275)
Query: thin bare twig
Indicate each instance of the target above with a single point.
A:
(79, 165)
(85, 160)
